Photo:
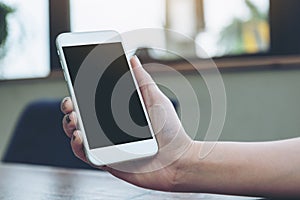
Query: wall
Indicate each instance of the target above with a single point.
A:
(262, 105)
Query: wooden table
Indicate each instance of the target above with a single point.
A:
(37, 182)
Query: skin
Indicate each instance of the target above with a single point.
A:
(269, 169)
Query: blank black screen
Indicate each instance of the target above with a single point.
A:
(110, 133)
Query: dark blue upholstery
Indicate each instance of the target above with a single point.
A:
(39, 139)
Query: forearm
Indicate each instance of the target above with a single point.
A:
(256, 169)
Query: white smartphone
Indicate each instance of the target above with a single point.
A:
(106, 97)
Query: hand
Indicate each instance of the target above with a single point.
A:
(159, 172)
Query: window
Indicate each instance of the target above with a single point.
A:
(122, 16)
(24, 50)
(221, 28)
(235, 27)
(91, 15)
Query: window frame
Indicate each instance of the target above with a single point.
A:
(59, 21)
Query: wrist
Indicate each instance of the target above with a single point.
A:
(184, 166)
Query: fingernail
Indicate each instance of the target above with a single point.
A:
(74, 137)
(64, 102)
(68, 120)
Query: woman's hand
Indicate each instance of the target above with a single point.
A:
(268, 169)
(159, 172)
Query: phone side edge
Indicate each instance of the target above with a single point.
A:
(70, 87)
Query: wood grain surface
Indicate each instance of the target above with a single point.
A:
(43, 183)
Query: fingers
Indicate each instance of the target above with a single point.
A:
(69, 123)
(66, 105)
(69, 120)
(77, 146)
(69, 126)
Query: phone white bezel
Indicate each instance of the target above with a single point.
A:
(116, 153)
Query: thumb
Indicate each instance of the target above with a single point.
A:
(142, 77)
(150, 92)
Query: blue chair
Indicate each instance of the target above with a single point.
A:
(39, 138)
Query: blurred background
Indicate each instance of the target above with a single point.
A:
(255, 44)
